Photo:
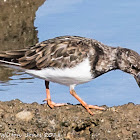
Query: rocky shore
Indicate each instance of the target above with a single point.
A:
(37, 121)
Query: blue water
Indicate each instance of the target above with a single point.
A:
(115, 23)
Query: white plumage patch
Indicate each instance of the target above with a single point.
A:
(79, 74)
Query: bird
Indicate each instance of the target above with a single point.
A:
(70, 61)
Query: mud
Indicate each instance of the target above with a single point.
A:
(38, 121)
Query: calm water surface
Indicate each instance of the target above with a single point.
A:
(114, 23)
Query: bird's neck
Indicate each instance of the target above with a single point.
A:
(122, 59)
(107, 61)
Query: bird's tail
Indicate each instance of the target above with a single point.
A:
(11, 57)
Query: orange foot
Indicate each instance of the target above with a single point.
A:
(52, 104)
(87, 107)
(92, 107)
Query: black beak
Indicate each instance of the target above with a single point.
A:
(138, 79)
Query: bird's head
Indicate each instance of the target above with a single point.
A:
(129, 61)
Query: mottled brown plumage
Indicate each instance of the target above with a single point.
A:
(70, 50)
(51, 53)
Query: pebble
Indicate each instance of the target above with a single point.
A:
(24, 115)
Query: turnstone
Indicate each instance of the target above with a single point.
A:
(72, 60)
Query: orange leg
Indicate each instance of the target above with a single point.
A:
(73, 93)
(48, 99)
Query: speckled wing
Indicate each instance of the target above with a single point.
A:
(60, 52)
